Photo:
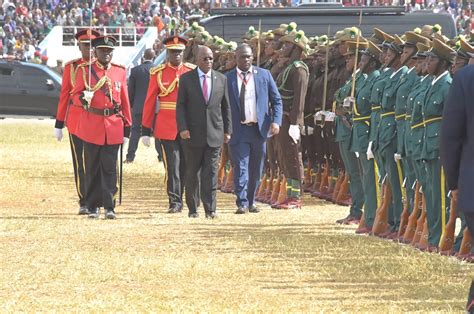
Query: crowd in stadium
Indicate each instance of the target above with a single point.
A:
(24, 24)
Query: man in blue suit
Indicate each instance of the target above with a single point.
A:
(457, 148)
(256, 109)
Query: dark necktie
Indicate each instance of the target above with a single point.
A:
(242, 96)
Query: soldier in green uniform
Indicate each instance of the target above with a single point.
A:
(292, 83)
(405, 85)
(369, 65)
(376, 101)
(440, 59)
(414, 108)
(387, 138)
(343, 130)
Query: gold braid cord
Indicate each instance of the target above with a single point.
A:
(99, 84)
(163, 90)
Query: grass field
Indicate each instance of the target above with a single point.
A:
(147, 260)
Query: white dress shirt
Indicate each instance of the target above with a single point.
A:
(209, 81)
(250, 95)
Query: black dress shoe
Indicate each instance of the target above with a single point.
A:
(110, 214)
(94, 213)
(193, 215)
(83, 210)
(254, 209)
(211, 215)
(241, 210)
(175, 209)
(128, 161)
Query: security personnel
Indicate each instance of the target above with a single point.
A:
(405, 85)
(164, 81)
(369, 65)
(414, 108)
(68, 114)
(292, 83)
(387, 140)
(343, 100)
(104, 123)
(440, 59)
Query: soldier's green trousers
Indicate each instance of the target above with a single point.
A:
(394, 179)
(370, 184)
(351, 166)
(410, 178)
(437, 201)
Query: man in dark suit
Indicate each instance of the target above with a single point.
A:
(204, 124)
(250, 89)
(137, 89)
(457, 149)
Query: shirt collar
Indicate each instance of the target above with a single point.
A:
(240, 71)
(440, 76)
(101, 66)
(201, 73)
(395, 73)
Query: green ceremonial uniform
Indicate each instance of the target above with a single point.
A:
(405, 85)
(436, 196)
(376, 101)
(359, 142)
(343, 135)
(387, 144)
(415, 101)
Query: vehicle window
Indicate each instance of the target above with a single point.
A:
(33, 78)
(6, 77)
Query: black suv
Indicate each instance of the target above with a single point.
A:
(28, 89)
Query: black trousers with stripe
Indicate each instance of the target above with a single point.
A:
(173, 159)
(101, 179)
(77, 150)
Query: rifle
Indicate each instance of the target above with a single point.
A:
(258, 42)
(325, 85)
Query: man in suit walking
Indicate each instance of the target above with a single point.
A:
(204, 124)
(137, 89)
(251, 89)
(457, 149)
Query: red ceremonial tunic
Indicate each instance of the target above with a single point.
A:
(100, 129)
(67, 113)
(164, 81)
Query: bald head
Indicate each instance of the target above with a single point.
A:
(204, 59)
(149, 54)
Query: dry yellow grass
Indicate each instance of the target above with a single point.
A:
(147, 260)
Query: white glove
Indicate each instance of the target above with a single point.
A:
(307, 130)
(330, 116)
(397, 157)
(370, 154)
(318, 116)
(146, 141)
(125, 140)
(348, 102)
(294, 132)
(58, 134)
(357, 154)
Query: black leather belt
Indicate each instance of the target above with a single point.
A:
(102, 112)
(250, 124)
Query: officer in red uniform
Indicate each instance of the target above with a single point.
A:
(104, 124)
(164, 81)
(68, 115)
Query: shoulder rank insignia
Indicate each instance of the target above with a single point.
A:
(118, 64)
(190, 65)
(158, 68)
(73, 61)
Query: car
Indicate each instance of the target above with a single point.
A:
(231, 23)
(28, 89)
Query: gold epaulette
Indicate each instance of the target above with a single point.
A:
(118, 65)
(190, 65)
(72, 61)
(158, 68)
(84, 64)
